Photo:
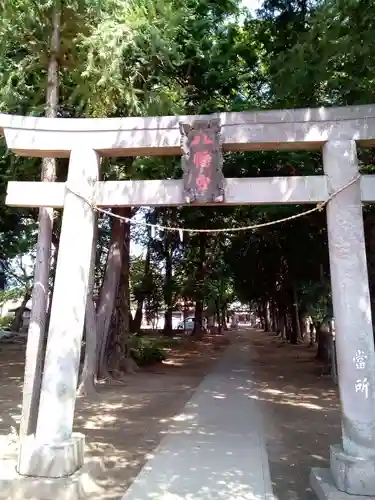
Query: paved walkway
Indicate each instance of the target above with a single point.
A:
(215, 449)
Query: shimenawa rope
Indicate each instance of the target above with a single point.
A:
(182, 230)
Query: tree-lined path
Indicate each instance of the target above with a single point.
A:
(246, 430)
(218, 433)
(215, 448)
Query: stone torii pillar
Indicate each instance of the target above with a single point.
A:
(352, 463)
(55, 451)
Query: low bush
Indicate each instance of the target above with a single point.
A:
(146, 351)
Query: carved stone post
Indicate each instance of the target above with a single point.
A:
(55, 451)
(352, 465)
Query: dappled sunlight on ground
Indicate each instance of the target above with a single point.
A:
(301, 413)
(126, 427)
(125, 423)
(213, 449)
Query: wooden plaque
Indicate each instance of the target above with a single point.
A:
(202, 161)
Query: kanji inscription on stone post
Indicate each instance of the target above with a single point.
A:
(202, 161)
(360, 361)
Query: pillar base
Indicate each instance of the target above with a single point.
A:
(353, 475)
(322, 484)
(51, 460)
(85, 484)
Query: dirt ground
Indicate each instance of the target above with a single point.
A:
(301, 409)
(125, 423)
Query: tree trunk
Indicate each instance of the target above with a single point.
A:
(118, 353)
(218, 315)
(109, 289)
(224, 318)
(324, 352)
(288, 325)
(211, 323)
(266, 315)
(274, 327)
(137, 321)
(296, 330)
(168, 292)
(36, 333)
(18, 318)
(282, 327)
(261, 316)
(89, 371)
(198, 331)
(52, 284)
(138, 316)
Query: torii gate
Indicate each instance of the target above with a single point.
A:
(56, 451)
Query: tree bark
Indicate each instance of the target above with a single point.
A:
(218, 315)
(324, 337)
(266, 315)
(89, 371)
(168, 292)
(198, 331)
(141, 299)
(18, 318)
(296, 330)
(52, 283)
(109, 289)
(118, 352)
(273, 316)
(288, 324)
(36, 334)
(224, 318)
(137, 321)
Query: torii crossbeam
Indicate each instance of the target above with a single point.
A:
(56, 451)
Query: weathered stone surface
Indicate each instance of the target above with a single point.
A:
(274, 129)
(83, 485)
(351, 301)
(253, 191)
(60, 374)
(354, 475)
(323, 486)
(352, 465)
(52, 460)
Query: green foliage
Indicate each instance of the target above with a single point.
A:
(10, 294)
(6, 321)
(154, 57)
(147, 351)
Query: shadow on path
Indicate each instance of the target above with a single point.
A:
(301, 413)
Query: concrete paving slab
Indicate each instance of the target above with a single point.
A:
(215, 449)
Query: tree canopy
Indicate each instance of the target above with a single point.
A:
(153, 57)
